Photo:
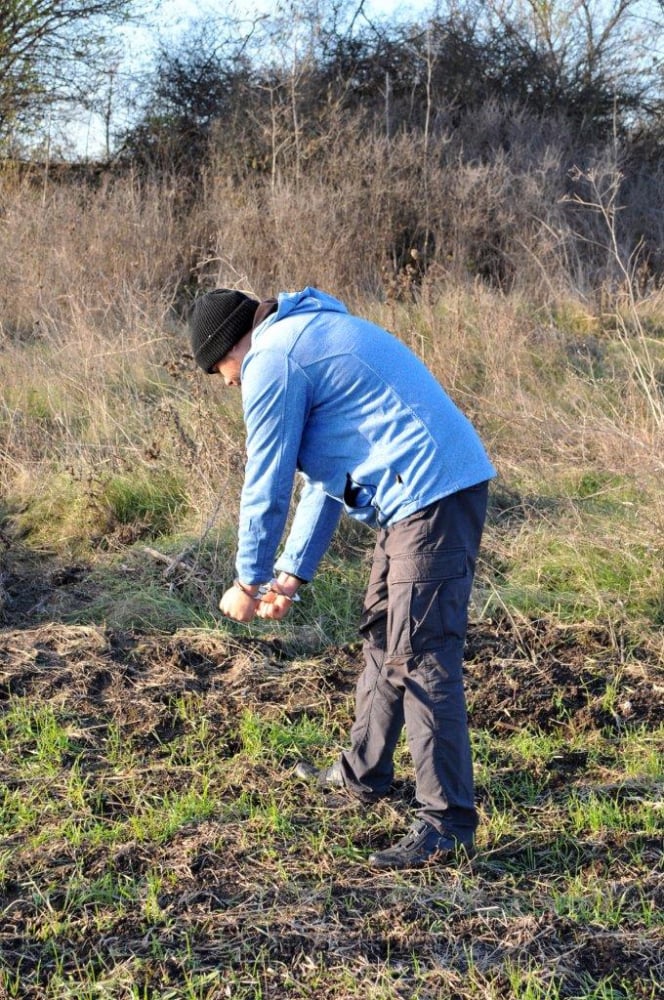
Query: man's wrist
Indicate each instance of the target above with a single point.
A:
(288, 584)
(284, 585)
(279, 590)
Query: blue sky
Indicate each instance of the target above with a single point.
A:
(175, 14)
(185, 9)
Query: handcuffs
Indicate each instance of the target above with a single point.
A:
(272, 587)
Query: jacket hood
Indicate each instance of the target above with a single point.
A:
(308, 300)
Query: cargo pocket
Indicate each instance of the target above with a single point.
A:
(428, 600)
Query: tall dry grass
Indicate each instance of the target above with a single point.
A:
(513, 285)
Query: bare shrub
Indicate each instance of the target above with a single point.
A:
(367, 213)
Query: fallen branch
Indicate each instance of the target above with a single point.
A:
(172, 562)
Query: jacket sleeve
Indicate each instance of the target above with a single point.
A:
(276, 398)
(315, 520)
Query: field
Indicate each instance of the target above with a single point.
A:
(155, 842)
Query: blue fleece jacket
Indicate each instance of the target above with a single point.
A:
(361, 418)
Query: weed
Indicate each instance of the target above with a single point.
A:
(275, 739)
(155, 504)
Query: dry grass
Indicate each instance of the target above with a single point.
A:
(155, 845)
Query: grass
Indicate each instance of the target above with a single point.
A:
(161, 817)
(155, 844)
(156, 817)
(75, 514)
(584, 550)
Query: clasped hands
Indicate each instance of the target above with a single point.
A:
(242, 602)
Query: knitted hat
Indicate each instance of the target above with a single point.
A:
(218, 321)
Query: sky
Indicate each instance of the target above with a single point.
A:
(174, 15)
(193, 8)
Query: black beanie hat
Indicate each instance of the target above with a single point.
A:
(218, 321)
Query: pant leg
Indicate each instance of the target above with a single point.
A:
(431, 558)
(414, 625)
(379, 716)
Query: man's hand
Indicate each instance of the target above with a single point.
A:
(238, 604)
(276, 603)
(273, 606)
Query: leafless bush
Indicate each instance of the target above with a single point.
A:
(358, 211)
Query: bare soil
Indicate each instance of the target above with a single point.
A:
(232, 900)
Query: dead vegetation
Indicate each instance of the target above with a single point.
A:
(162, 847)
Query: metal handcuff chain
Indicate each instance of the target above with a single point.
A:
(272, 587)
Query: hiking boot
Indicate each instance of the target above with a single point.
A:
(422, 845)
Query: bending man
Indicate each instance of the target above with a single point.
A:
(372, 433)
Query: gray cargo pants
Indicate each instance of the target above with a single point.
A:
(414, 626)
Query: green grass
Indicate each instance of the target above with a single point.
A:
(274, 739)
(158, 502)
(586, 550)
(75, 514)
(608, 905)
(165, 819)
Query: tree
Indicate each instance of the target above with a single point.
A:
(47, 50)
(585, 57)
(203, 80)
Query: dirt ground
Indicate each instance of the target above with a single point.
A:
(538, 674)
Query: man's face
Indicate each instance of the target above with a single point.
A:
(229, 368)
(231, 364)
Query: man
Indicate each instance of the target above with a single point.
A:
(372, 433)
